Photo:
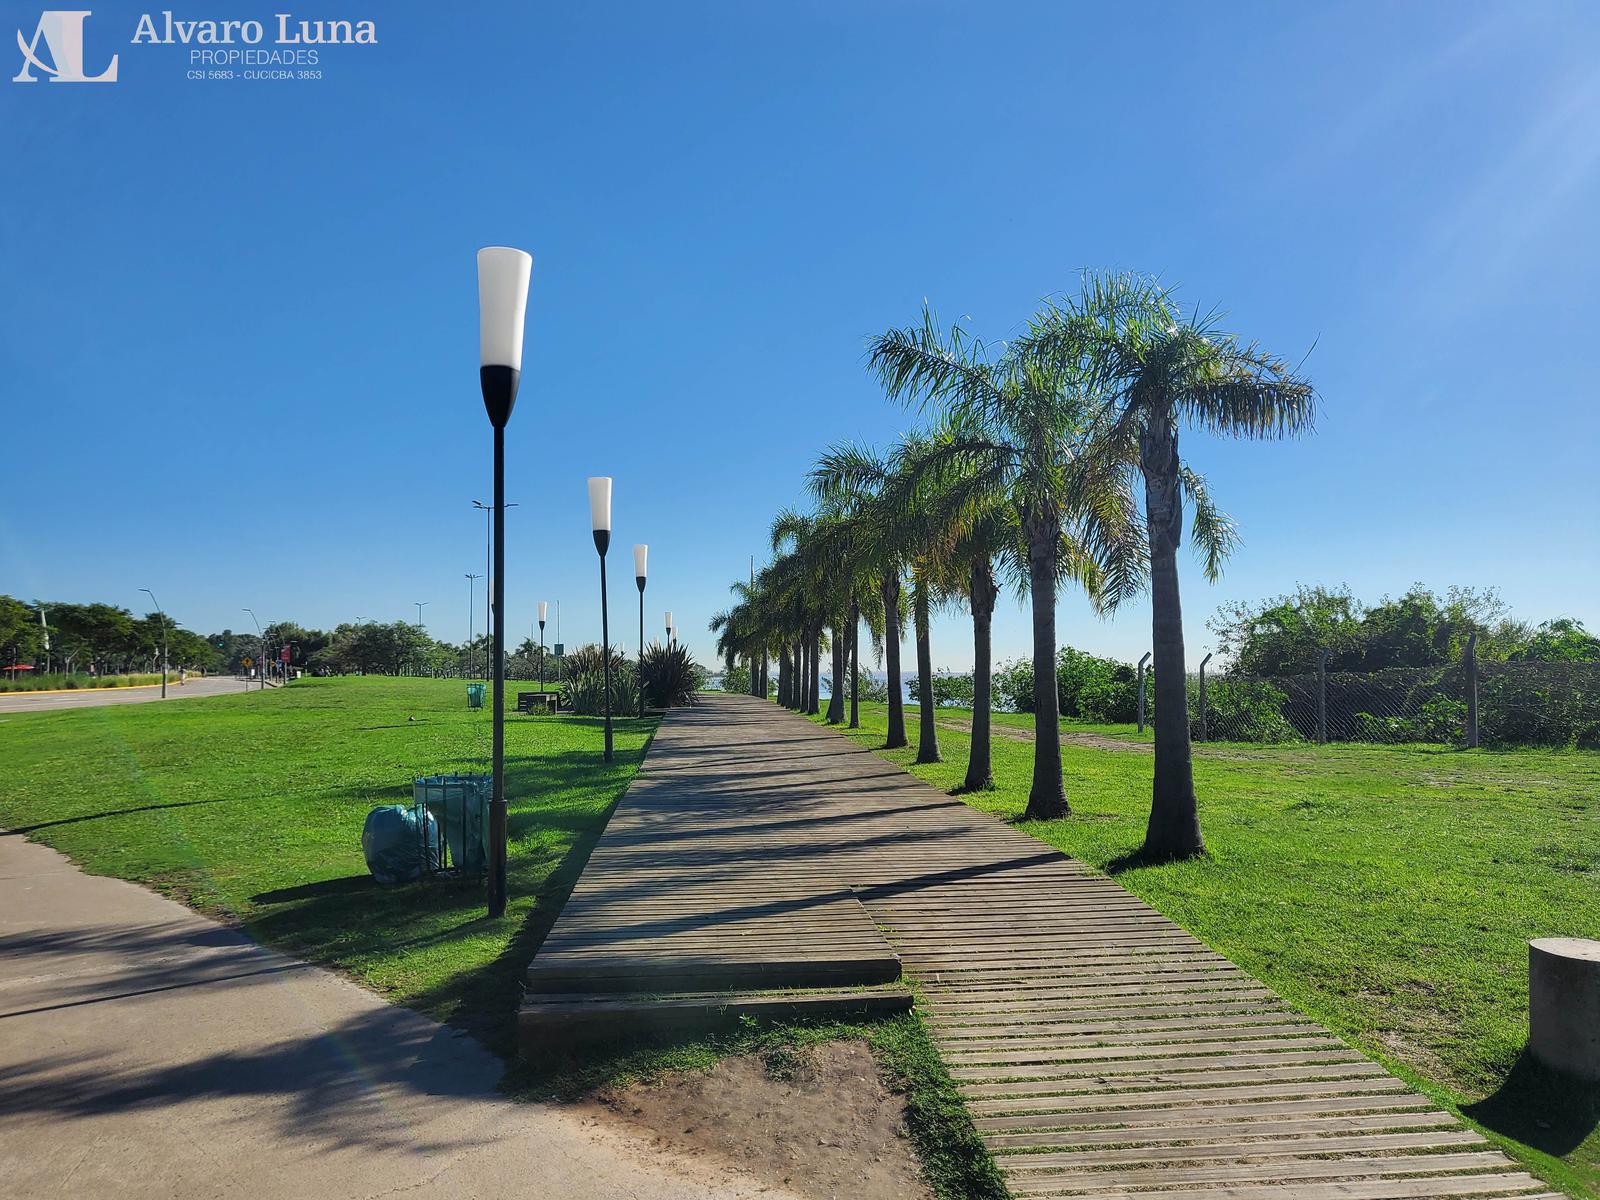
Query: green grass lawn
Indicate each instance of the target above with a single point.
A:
(249, 807)
(1388, 891)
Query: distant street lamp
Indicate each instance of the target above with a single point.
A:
(544, 609)
(262, 638)
(600, 523)
(420, 629)
(503, 275)
(472, 584)
(669, 629)
(163, 617)
(488, 543)
(641, 555)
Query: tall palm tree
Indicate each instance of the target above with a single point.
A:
(972, 529)
(852, 481)
(1024, 418)
(1151, 368)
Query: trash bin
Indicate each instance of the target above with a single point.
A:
(401, 844)
(475, 694)
(460, 804)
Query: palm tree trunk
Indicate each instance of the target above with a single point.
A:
(1174, 829)
(812, 649)
(816, 671)
(980, 772)
(785, 676)
(855, 665)
(891, 661)
(836, 691)
(1047, 799)
(927, 731)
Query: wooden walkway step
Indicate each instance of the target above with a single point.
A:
(1103, 1051)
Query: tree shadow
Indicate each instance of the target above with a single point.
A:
(21, 830)
(1541, 1108)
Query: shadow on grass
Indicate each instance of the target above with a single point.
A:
(1540, 1108)
(100, 816)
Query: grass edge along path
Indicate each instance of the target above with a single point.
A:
(248, 808)
(1110, 791)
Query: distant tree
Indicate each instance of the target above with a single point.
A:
(1561, 640)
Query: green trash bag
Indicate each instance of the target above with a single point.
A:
(460, 804)
(401, 844)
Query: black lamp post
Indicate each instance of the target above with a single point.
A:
(641, 557)
(544, 608)
(262, 638)
(503, 275)
(163, 617)
(600, 522)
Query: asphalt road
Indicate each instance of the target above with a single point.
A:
(11, 702)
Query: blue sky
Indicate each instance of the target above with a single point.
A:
(238, 324)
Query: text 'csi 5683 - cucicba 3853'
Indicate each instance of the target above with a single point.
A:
(168, 30)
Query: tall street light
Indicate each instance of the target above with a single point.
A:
(544, 609)
(488, 544)
(420, 629)
(262, 638)
(641, 556)
(163, 617)
(503, 275)
(600, 523)
(472, 584)
(669, 629)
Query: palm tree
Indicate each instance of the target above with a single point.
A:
(851, 481)
(1149, 369)
(972, 528)
(1023, 419)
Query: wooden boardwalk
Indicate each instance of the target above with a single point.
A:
(1102, 1050)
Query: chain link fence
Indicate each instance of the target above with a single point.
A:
(1466, 703)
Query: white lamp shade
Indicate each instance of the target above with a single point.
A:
(641, 556)
(669, 619)
(544, 609)
(600, 503)
(503, 275)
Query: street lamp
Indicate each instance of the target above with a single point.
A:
(544, 609)
(641, 555)
(420, 629)
(472, 584)
(163, 617)
(488, 542)
(669, 629)
(600, 523)
(503, 275)
(262, 638)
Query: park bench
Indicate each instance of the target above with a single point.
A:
(527, 702)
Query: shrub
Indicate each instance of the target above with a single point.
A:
(585, 694)
(1013, 686)
(1242, 710)
(949, 689)
(587, 660)
(734, 679)
(671, 676)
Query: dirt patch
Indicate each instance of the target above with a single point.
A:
(1095, 741)
(818, 1121)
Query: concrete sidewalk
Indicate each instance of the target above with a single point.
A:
(191, 689)
(148, 1052)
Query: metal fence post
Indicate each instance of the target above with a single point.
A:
(1205, 733)
(1322, 696)
(1142, 661)
(1472, 690)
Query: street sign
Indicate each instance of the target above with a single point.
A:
(283, 655)
(247, 661)
(558, 649)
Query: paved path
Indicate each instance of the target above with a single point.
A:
(147, 1052)
(1103, 1051)
(211, 685)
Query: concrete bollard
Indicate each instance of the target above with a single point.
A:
(1564, 1005)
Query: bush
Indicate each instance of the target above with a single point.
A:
(671, 676)
(734, 679)
(1013, 686)
(590, 660)
(1096, 689)
(1242, 710)
(585, 694)
(949, 690)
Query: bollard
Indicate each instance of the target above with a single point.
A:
(1564, 1005)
